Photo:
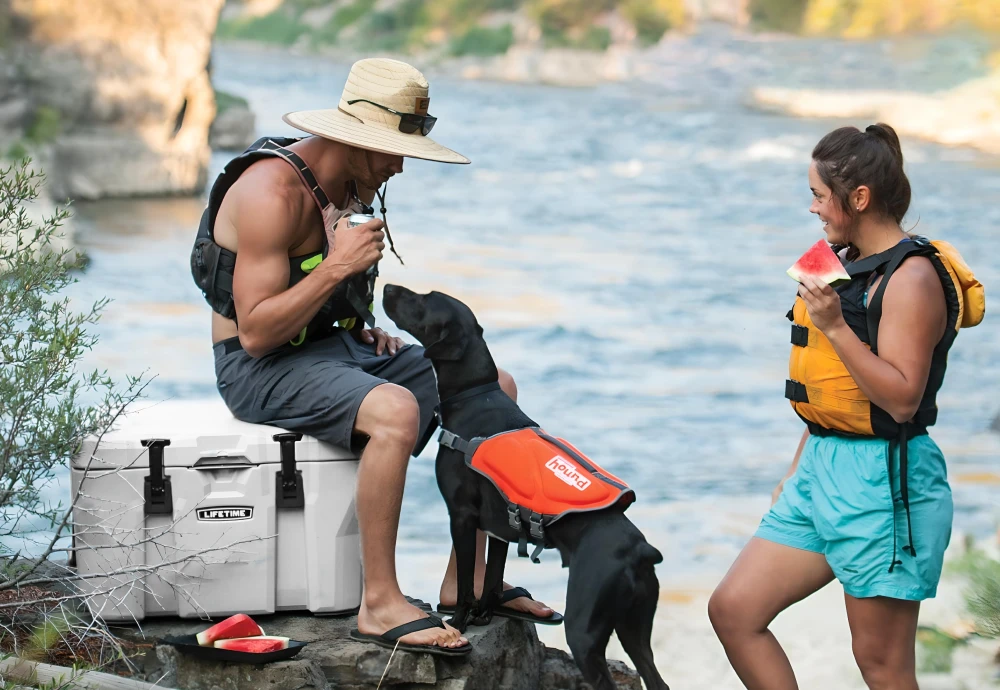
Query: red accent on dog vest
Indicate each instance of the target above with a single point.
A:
(546, 475)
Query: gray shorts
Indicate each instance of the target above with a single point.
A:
(317, 387)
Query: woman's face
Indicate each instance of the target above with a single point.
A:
(836, 223)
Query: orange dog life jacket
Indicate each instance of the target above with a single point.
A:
(541, 477)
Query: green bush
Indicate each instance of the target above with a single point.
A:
(778, 15)
(397, 29)
(45, 125)
(595, 38)
(224, 101)
(484, 41)
(982, 597)
(341, 19)
(652, 18)
(278, 27)
(48, 404)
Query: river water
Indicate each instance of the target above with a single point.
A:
(625, 249)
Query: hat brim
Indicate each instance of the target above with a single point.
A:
(339, 126)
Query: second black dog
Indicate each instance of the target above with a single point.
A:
(612, 583)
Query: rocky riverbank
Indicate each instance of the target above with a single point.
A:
(967, 115)
(111, 98)
(507, 656)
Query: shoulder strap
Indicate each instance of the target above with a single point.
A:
(305, 174)
(900, 253)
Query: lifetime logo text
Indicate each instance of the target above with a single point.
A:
(567, 472)
(228, 513)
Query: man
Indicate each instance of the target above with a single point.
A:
(291, 287)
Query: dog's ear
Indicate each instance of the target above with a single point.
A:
(479, 329)
(449, 347)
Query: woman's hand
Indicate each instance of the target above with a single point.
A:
(822, 303)
(383, 341)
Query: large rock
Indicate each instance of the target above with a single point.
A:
(968, 115)
(507, 656)
(115, 93)
(235, 125)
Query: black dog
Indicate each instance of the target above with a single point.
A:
(612, 583)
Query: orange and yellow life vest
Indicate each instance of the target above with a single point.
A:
(820, 388)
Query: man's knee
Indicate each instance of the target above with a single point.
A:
(390, 413)
(507, 384)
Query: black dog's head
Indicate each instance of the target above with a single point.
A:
(446, 328)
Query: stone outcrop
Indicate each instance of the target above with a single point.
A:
(235, 125)
(114, 96)
(968, 115)
(507, 656)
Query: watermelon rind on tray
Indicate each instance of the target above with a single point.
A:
(261, 644)
(820, 262)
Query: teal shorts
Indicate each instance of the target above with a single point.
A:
(838, 503)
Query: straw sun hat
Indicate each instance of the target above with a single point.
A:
(388, 83)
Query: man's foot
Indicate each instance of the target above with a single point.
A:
(449, 597)
(376, 619)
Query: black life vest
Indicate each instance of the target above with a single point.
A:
(212, 266)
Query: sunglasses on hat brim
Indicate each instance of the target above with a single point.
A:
(408, 122)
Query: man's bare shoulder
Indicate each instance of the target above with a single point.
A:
(266, 204)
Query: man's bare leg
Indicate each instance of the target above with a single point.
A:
(390, 417)
(449, 588)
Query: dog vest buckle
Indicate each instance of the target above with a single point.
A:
(514, 516)
(535, 528)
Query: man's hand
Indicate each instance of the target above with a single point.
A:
(383, 341)
(822, 303)
(356, 249)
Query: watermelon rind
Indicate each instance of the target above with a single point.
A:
(238, 626)
(235, 644)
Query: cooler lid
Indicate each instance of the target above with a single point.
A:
(201, 432)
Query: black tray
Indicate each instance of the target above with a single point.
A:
(188, 644)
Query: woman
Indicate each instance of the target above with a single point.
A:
(867, 498)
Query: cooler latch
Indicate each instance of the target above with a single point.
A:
(159, 497)
(288, 480)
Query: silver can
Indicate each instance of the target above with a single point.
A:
(356, 219)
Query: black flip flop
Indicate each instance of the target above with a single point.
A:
(390, 638)
(507, 612)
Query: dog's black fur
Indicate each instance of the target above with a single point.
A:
(612, 583)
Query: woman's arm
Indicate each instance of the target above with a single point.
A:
(913, 321)
(791, 470)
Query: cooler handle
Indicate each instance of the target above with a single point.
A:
(223, 462)
(159, 498)
(288, 481)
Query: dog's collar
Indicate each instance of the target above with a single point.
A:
(466, 394)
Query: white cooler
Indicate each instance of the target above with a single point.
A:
(237, 521)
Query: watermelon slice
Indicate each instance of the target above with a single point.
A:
(240, 625)
(260, 644)
(820, 262)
